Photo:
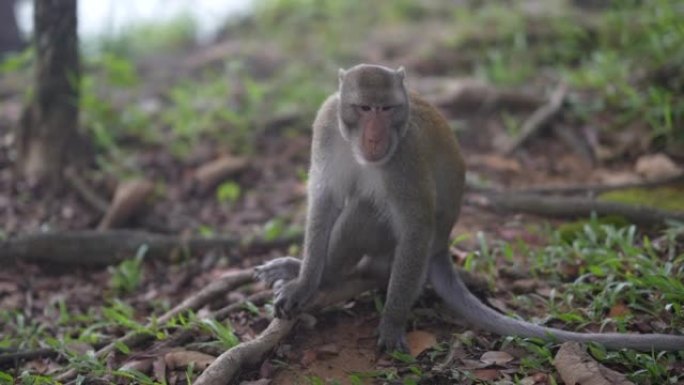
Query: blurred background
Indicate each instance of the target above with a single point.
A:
(192, 119)
(167, 86)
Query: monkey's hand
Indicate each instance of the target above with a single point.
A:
(391, 337)
(291, 299)
(278, 271)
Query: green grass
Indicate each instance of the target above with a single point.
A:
(617, 266)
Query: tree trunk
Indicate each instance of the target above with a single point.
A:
(10, 41)
(48, 128)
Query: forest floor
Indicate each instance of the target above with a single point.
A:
(222, 148)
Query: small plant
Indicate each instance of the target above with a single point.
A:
(228, 192)
(127, 276)
(224, 333)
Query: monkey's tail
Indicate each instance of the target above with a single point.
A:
(450, 287)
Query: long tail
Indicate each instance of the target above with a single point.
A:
(450, 287)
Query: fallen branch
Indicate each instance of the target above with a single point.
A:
(539, 118)
(565, 207)
(196, 301)
(587, 189)
(599, 188)
(103, 248)
(224, 368)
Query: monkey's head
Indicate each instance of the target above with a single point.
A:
(374, 111)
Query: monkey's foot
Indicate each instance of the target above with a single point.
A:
(278, 271)
(391, 338)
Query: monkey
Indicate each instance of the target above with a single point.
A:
(385, 186)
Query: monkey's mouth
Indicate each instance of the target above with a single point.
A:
(375, 151)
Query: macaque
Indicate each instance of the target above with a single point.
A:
(384, 191)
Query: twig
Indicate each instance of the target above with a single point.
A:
(574, 207)
(258, 298)
(92, 198)
(8, 358)
(199, 299)
(577, 142)
(102, 248)
(14, 355)
(456, 350)
(224, 368)
(539, 118)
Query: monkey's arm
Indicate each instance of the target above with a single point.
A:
(321, 216)
(414, 227)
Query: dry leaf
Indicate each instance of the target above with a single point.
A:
(81, 348)
(496, 358)
(328, 349)
(656, 166)
(267, 369)
(576, 367)
(8, 287)
(128, 199)
(308, 357)
(183, 358)
(486, 374)
(419, 341)
(473, 364)
(38, 366)
(611, 177)
(210, 174)
(143, 365)
(618, 310)
(537, 379)
(159, 369)
(522, 286)
(496, 163)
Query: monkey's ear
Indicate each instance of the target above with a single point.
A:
(340, 74)
(401, 73)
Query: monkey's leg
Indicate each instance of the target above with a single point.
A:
(377, 267)
(358, 232)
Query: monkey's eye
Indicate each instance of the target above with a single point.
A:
(365, 108)
(387, 108)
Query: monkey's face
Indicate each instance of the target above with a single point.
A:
(373, 111)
